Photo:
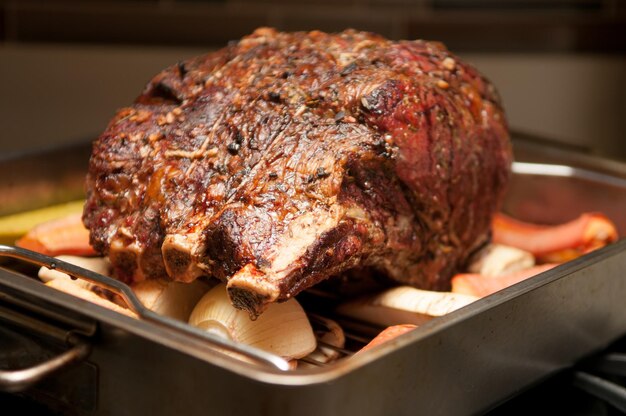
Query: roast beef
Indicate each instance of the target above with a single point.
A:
(287, 158)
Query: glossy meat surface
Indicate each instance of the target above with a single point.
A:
(287, 158)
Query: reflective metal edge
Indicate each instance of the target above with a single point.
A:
(407, 349)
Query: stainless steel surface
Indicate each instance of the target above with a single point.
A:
(126, 293)
(462, 363)
(613, 364)
(603, 389)
(25, 378)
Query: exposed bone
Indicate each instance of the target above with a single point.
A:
(252, 288)
(126, 260)
(178, 257)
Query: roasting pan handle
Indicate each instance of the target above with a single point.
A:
(13, 381)
(134, 304)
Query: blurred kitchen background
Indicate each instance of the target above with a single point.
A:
(67, 65)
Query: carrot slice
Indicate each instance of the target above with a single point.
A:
(66, 235)
(14, 226)
(555, 244)
(479, 285)
(388, 334)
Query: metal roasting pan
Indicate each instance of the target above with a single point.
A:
(463, 363)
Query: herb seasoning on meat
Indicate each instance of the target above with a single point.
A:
(406, 146)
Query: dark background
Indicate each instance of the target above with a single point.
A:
(67, 65)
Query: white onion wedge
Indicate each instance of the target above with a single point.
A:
(282, 329)
(168, 298)
(96, 264)
(70, 287)
(497, 259)
(404, 305)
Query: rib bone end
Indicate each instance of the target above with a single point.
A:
(178, 258)
(250, 290)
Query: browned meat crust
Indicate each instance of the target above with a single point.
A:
(284, 159)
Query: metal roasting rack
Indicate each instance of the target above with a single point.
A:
(20, 379)
(16, 380)
(508, 342)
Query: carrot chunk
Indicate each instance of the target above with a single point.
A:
(479, 285)
(559, 243)
(66, 235)
(388, 334)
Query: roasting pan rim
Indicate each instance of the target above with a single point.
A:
(306, 377)
(341, 369)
